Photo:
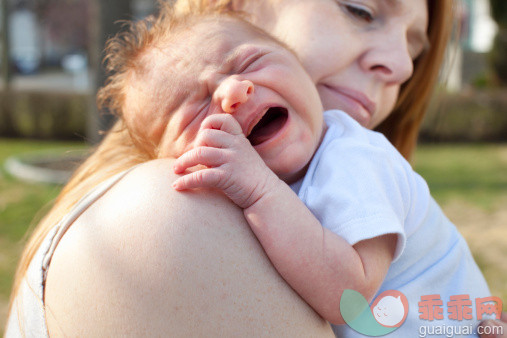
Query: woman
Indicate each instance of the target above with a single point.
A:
(155, 262)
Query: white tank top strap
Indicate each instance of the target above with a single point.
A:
(27, 317)
(76, 211)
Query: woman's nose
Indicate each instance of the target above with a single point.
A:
(233, 92)
(390, 60)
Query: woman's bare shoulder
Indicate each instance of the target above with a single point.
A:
(147, 188)
(147, 260)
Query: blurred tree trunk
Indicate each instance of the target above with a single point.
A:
(499, 52)
(6, 117)
(6, 74)
(104, 17)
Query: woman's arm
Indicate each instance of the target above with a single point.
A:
(147, 260)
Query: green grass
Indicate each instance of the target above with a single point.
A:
(9, 147)
(20, 204)
(470, 183)
(20, 201)
(474, 173)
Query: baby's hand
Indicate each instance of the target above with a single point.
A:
(232, 164)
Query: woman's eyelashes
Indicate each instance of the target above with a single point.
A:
(360, 13)
(357, 11)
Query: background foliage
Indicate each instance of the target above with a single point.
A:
(499, 53)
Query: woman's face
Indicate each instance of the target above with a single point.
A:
(357, 52)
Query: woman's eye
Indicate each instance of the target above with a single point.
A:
(360, 13)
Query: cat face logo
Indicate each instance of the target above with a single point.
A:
(386, 314)
(390, 308)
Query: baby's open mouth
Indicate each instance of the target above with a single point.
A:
(269, 125)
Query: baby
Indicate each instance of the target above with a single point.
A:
(240, 114)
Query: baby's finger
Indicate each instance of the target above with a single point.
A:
(214, 138)
(225, 122)
(210, 157)
(206, 178)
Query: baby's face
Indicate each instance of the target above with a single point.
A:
(228, 67)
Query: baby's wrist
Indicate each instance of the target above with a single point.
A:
(266, 189)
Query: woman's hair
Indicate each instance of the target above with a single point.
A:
(403, 124)
(121, 150)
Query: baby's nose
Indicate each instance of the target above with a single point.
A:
(235, 92)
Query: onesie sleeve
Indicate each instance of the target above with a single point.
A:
(357, 189)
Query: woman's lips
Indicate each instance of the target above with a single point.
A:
(354, 103)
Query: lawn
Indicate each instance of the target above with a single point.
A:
(470, 184)
(469, 181)
(473, 173)
(20, 205)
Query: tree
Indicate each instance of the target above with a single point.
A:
(66, 21)
(6, 74)
(104, 17)
(6, 116)
(499, 52)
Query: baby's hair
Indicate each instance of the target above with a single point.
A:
(128, 53)
(124, 51)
